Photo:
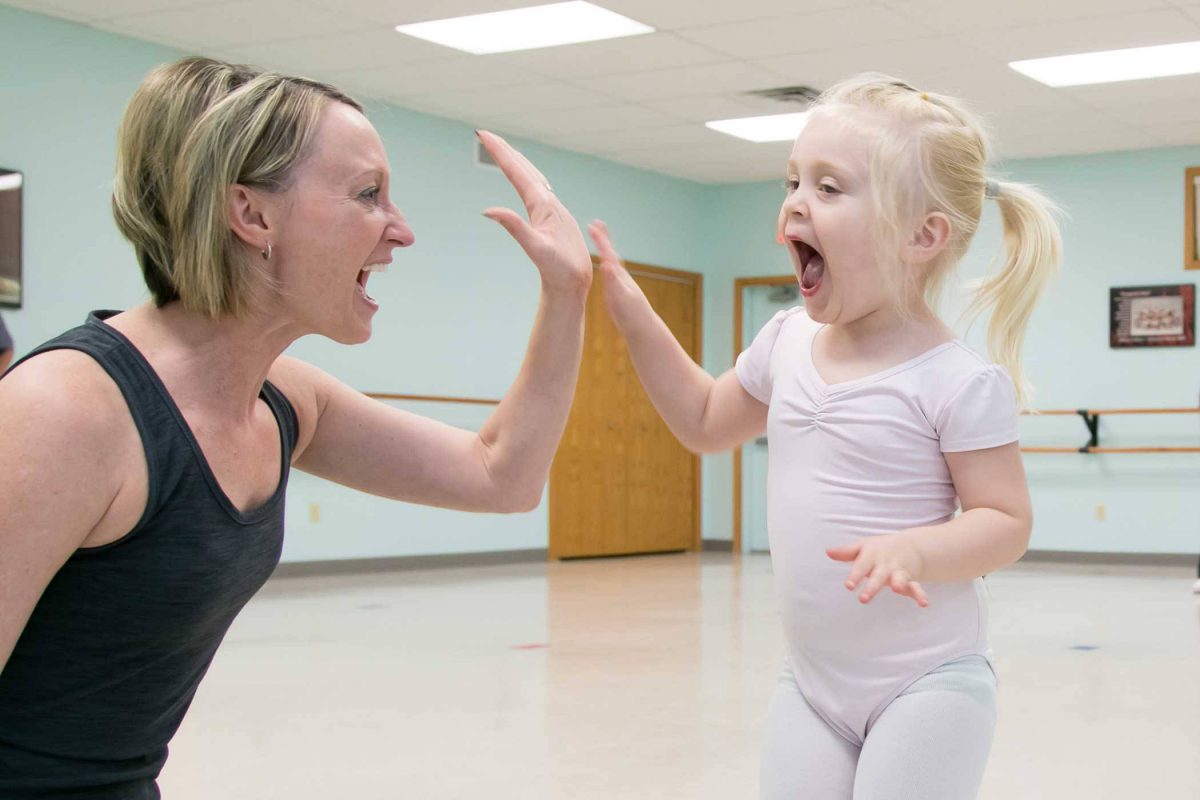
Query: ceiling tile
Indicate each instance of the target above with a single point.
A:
(680, 14)
(1166, 113)
(981, 16)
(1181, 89)
(800, 34)
(1087, 35)
(367, 48)
(90, 10)
(1191, 10)
(730, 76)
(1178, 135)
(486, 103)
(424, 77)
(704, 108)
(914, 60)
(995, 89)
(613, 56)
(1096, 140)
(232, 24)
(669, 137)
(558, 124)
(401, 12)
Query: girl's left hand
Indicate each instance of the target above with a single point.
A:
(890, 560)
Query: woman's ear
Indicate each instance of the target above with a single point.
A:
(929, 240)
(248, 217)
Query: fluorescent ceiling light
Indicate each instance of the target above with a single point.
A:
(527, 28)
(1110, 66)
(773, 128)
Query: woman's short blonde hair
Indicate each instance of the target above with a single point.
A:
(194, 129)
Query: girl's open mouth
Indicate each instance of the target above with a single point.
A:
(812, 267)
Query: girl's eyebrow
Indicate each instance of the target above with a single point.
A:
(820, 165)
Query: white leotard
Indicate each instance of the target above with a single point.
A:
(864, 458)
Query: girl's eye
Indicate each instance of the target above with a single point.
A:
(791, 185)
(827, 188)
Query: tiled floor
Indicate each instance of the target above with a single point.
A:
(648, 678)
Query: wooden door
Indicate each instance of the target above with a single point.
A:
(621, 483)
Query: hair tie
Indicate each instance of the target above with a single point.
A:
(991, 188)
(924, 95)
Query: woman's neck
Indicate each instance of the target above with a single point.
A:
(219, 364)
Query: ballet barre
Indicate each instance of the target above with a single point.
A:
(1091, 418)
(424, 398)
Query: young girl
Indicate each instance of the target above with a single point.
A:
(880, 423)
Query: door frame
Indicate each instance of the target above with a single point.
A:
(738, 285)
(696, 281)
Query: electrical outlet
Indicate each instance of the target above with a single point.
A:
(314, 512)
(1101, 512)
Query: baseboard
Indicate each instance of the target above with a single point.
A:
(539, 555)
(358, 566)
(1114, 559)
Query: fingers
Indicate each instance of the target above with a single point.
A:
(898, 581)
(598, 230)
(861, 567)
(876, 576)
(531, 185)
(876, 581)
(512, 222)
(610, 264)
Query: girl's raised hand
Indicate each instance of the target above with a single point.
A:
(551, 238)
(626, 302)
(890, 560)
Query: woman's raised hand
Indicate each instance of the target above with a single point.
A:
(551, 238)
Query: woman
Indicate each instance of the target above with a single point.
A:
(147, 452)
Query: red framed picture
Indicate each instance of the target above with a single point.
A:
(1153, 316)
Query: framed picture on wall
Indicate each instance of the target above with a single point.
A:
(1153, 316)
(1191, 226)
(10, 238)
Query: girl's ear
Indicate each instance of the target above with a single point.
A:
(929, 240)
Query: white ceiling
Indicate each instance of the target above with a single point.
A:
(643, 100)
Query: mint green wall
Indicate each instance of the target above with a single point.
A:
(456, 308)
(1124, 226)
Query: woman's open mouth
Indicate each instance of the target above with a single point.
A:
(364, 274)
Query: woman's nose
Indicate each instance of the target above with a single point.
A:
(399, 233)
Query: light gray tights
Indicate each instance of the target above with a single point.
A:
(930, 743)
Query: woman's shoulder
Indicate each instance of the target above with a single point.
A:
(66, 387)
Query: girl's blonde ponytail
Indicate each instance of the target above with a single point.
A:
(1033, 252)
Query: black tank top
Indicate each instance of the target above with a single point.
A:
(110, 659)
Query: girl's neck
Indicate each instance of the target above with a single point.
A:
(888, 330)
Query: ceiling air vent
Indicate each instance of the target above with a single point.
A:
(803, 95)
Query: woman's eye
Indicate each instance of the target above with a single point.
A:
(370, 195)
